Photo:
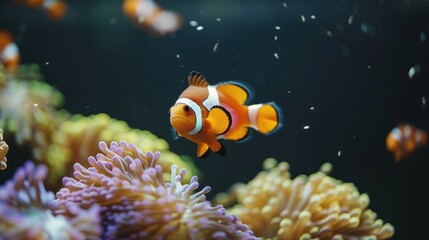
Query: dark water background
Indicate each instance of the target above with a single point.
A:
(356, 80)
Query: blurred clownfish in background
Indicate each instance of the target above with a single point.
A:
(404, 139)
(9, 52)
(148, 14)
(205, 114)
(54, 9)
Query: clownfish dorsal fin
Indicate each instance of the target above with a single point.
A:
(197, 79)
(235, 90)
(220, 120)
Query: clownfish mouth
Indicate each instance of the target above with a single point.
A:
(176, 117)
(177, 121)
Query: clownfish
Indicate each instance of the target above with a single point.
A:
(54, 9)
(9, 52)
(404, 139)
(151, 16)
(205, 113)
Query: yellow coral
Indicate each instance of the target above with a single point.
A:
(314, 207)
(77, 139)
(4, 148)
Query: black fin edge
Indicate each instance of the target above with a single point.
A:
(243, 139)
(229, 118)
(243, 85)
(196, 74)
(222, 150)
(279, 118)
(206, 154)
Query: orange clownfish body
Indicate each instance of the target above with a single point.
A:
(404, 139)
(205, 114)
(54, 9)
(9, 52)
(152, 17)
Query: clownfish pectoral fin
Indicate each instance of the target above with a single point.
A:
(240, 134)
(218, 148)
(197, 79)
(219, 119)
(203, 150)
(235, 90)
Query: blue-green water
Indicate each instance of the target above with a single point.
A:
(345, 79)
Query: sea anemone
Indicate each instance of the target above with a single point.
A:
(4, 148)
(28, 108)
(274, 206)
(24, 213)
(77, 138)
(137, 203)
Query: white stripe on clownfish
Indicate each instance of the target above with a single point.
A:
(197, 110)
(48, 3)
(407, 131)
(418, 135)
(253, 115)
(212, 99)
(396, 132)
(9, 52)
(145, 8)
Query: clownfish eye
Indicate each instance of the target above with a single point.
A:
(186, 108)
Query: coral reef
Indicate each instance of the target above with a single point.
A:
(137, 203)
(78, 136)
(28, 108)
(30, 112)
(314, 207)
(128, 192)
(24, 213)
(4, 148)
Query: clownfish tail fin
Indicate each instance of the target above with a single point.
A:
(265, 118)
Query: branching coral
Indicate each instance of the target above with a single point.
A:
(24, 213)
(77, 139)
(137, 203)
(4, 148)
(28, 107)
(314, 207)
